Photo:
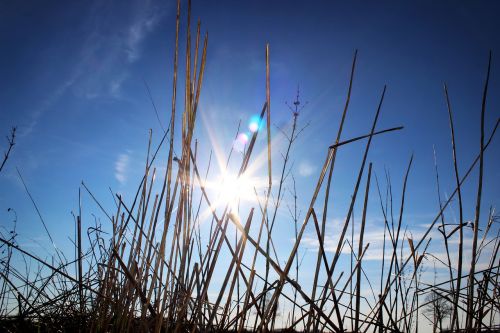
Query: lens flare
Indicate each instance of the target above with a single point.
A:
(255, 124)
(240, 142)
(243, 138)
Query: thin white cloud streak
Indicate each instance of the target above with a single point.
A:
(121, 168)
(306, 168)
(45, 106)
(98, 70)
(142, 26)
(374, 234)
(104, 53)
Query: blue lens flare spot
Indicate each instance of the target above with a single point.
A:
(255, 124)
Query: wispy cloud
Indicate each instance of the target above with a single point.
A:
(98, 70)
(374, 234)
(121, 168)
(115, 87)
(306, 168)
(142, 26)
(45, 106)
(108, 48)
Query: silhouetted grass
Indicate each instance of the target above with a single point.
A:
(155, 271)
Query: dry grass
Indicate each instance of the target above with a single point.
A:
(156, 272)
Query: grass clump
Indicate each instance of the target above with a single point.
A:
(157, 272)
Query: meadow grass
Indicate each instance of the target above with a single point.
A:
(155, 272)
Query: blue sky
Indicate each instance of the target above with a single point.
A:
(72, 77)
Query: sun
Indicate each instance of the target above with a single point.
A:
(232, 190)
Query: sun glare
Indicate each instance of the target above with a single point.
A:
(232, 189)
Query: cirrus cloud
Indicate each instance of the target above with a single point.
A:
(121, 167)
(306, 168)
